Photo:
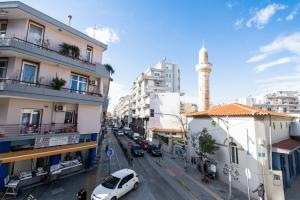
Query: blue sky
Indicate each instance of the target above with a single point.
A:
(254, 46)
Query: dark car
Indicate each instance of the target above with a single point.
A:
(153, 150)
(144, 144)
(137, 151)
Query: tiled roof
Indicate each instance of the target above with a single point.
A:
(286, 146)
(235, 109)
(166, 130)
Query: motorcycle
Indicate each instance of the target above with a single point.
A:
(210, 167)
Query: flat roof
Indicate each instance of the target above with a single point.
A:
(286, 146)
(44, 17)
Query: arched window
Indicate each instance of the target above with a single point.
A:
(234, 153)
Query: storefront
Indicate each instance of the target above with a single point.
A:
(27, 167)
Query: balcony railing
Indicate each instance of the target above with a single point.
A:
(14, 130)
(39, 85)
(11, 41)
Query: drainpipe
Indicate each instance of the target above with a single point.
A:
(270, 136)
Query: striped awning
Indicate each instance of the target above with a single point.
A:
(43, 152)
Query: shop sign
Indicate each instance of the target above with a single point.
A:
(42, 142)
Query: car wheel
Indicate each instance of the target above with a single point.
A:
(136, 185)
(114, 198)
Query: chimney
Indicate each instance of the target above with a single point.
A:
(70, 19)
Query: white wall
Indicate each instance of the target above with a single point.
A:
(89, 119)
(165, 103)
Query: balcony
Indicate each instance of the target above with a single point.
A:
(20, 132)
(16, 88)
(37, 51)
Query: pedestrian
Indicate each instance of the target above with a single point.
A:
(260, 191)
(81, 194)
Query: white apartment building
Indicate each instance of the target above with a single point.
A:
(46, 125)
(280, 101)
(163, 77)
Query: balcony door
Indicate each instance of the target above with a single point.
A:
(30, 120)
(3, 68)
(29, 72)
(78, 84)
(35, 33)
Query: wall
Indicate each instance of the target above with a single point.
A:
(165, 103)
(3, 110)
(89, 119)
(17, 28)
(242, 130)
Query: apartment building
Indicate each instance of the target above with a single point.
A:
(123, 109)
(279, 101)
(53, 91)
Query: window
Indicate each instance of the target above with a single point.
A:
(274, 125)
(157, 74)
(3, 27)
(78, 83)
(125, 180)
(3, 67)
(29, 72)
(30, 120)
(281, 125)
(89, 54)
(234, 153)
(69, 115)
(35, 33)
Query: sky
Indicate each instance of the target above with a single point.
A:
(254, 46)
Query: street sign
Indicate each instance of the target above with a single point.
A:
(261, 154)
(110, 152)
(213, 123)
(248, 173)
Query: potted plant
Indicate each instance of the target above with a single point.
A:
(57, 83)
(69, 50)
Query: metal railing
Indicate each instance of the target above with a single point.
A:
(11, 130)
(7, 42)
(39, 85)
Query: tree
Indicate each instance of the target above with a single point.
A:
(203, 144)
(111, 71)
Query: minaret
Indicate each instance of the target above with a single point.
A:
(203, 69)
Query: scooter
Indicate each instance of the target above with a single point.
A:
(210, 167)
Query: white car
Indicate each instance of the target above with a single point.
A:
(120, 133)
(116, 185)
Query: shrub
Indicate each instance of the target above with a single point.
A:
(57, 83)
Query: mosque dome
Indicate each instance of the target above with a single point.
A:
(203, 56)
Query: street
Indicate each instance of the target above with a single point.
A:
(153, 183)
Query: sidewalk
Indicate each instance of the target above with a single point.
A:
(192, 180)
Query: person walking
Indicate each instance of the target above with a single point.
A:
(81, 194)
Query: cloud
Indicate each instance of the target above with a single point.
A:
(280, 85)
(268, 65)
(277, 79)
(262, 16)
(289, 43)
(292, 14)
(238, 24)
(230, 4)
(116, 91)
(103, 34)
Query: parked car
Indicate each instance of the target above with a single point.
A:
(137, 151)
(153, 150)
(116, 185)
(130, 134)
(120, 132)
(144, 144)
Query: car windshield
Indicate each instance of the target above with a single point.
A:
(155, 148)
(110, 182)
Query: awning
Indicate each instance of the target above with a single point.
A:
(166, 130)
(286, 146)
(43, 152)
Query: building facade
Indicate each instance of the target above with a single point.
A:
(53, 92)
(252, 140)
(281, 101)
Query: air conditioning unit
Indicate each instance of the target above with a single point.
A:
(93, 82)
(60, 108)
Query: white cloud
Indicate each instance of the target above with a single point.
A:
(268, 65)
(116, 91)
(257, 58)
(238, 24)
(279, 85)
(276, 79)
(103, 34)
(262, 16)
(292, 14)
(230, 4)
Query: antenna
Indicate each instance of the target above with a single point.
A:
(70, 19)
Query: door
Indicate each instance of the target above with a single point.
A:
(29, 72)
(35, 33)
(3, 68)
(282, 164)
(125, 185)
(30, 121)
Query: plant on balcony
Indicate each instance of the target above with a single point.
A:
(57, 83)
(111, 70)
(69, 50)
